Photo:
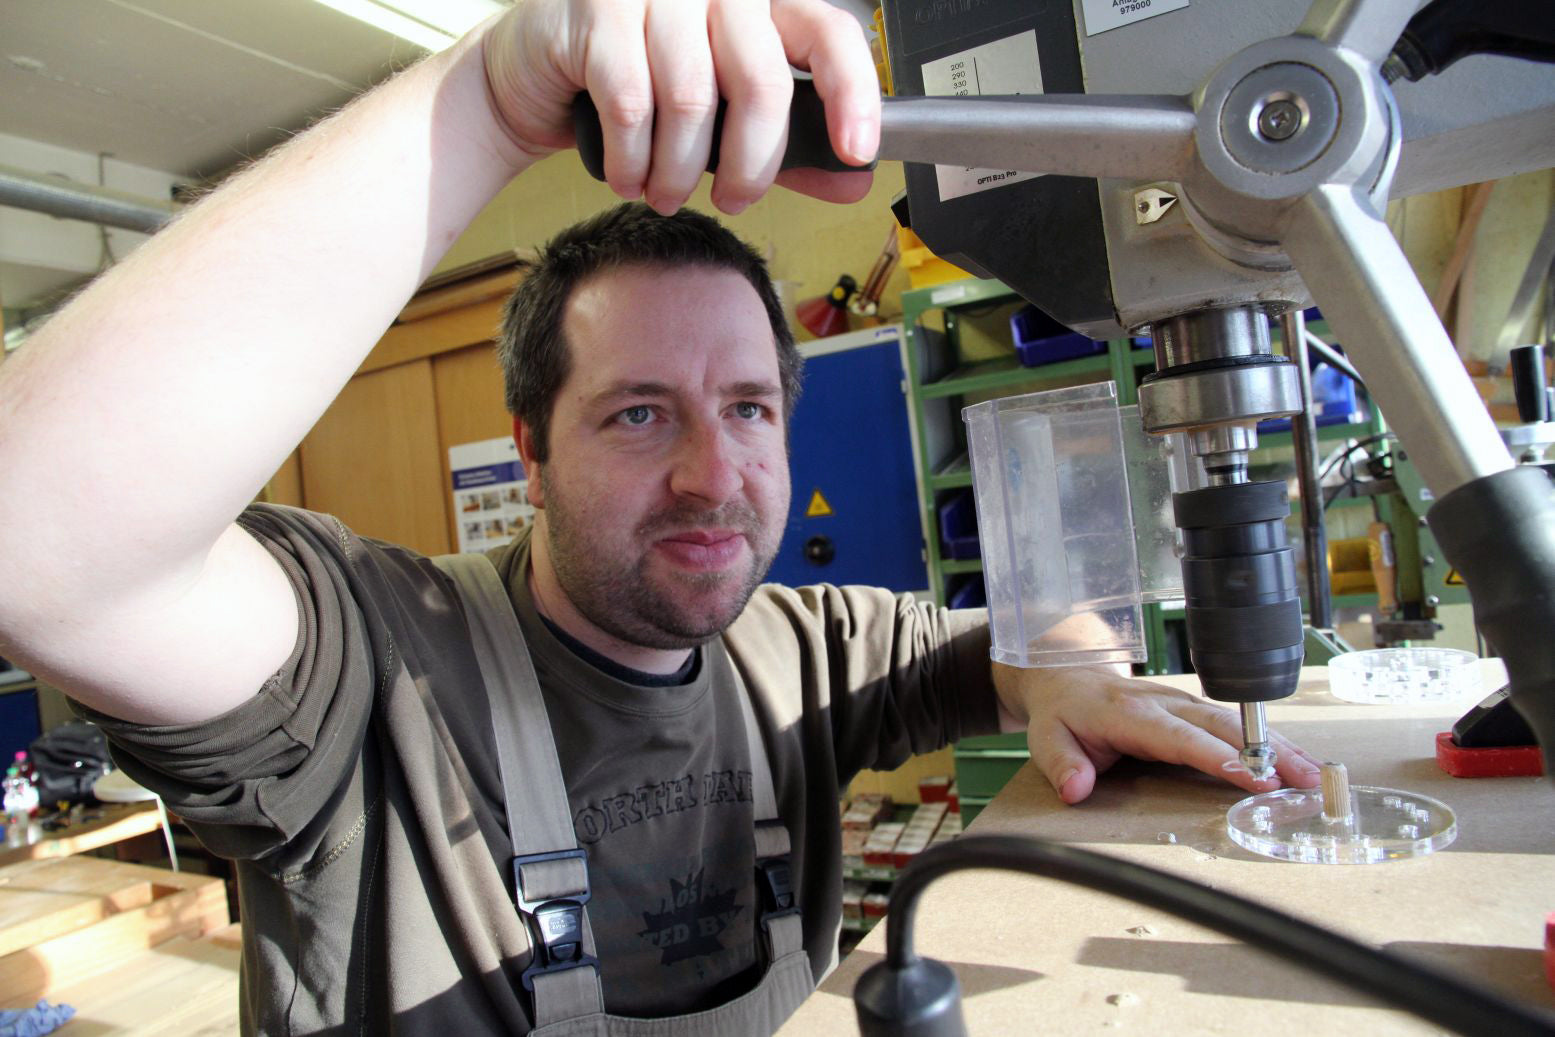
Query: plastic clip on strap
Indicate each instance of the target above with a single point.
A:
(773, 872)
(560, 882)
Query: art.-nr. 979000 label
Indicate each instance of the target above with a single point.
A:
(1101, 15)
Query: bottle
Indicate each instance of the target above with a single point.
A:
(24, 767)
(21, 797)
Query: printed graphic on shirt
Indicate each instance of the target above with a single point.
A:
(624, 810)
(690, 919)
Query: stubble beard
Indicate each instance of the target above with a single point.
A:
(622, 596)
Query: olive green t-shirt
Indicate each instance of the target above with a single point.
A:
(358, 791)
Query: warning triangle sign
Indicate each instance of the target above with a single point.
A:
(1454, 578)
(818, 507)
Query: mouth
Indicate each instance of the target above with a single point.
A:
(702, 550)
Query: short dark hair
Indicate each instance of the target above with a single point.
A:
(533, 351)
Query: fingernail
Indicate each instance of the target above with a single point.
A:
(861, 141)
(1069, 774)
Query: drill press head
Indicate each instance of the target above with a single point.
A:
(1216, 378)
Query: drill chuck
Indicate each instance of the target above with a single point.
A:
(1245, 634)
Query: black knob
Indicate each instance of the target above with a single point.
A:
(820, 550)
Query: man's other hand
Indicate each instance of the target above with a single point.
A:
(656, 68)
(1080, 720)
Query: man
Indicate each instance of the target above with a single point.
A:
(360, 788)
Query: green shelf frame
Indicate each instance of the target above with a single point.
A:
(999, 374)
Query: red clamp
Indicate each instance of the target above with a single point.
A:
(1514, 762)
(1549, 948)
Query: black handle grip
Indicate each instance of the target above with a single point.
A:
(809, 146)
(1445, 30)
(1529, 383)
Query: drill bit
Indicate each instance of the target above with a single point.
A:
(1257, 754)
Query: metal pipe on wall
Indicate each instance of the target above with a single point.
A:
(70, 200)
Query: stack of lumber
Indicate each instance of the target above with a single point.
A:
(133, 949)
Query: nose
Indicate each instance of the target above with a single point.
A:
(706, 467)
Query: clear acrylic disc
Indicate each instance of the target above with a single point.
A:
(1382, 825)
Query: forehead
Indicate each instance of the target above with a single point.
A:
(652, 323)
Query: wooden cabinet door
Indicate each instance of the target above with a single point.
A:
(373, 459)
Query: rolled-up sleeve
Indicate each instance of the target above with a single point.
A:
(259, 776)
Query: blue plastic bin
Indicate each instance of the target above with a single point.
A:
(967, 592)
(1334, 401)
(958, 526)
(1039, 339)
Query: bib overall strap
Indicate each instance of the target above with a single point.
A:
(550, 872)
(782, 928)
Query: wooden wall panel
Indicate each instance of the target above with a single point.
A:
(285, 486)
(454, 329)
(468, 389)
(372, 459)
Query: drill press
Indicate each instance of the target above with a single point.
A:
(1242, 153)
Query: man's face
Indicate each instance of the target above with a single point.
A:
(666, 490)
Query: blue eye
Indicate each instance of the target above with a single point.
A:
(639, 415)
(748, 410)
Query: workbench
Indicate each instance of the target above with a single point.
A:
(110, 824)
(1035, 955)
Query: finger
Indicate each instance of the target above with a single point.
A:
(617, 77)
(1292, 764)
(1063, 760)
(1295, 765)
(831, 45)
(754, 78)
(685, 101)
(1196, 735)
(843, 188)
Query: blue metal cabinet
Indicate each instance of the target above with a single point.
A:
(856, 515)
(19, 723)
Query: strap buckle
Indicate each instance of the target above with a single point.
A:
(555, 924)
(774, 881)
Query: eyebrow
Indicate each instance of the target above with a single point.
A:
(633, 390)
(650, 390)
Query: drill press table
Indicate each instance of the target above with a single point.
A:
(1038, 956)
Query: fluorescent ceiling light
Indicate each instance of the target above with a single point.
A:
(432, 24)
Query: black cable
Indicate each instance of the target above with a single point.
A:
(1350, 482)
(1352, 448)
(1433, 995)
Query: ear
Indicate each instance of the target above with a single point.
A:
(525, 440)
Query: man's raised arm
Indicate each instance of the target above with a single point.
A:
(145, 416)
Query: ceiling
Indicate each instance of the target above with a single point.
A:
(190, 87)
(187, 87)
